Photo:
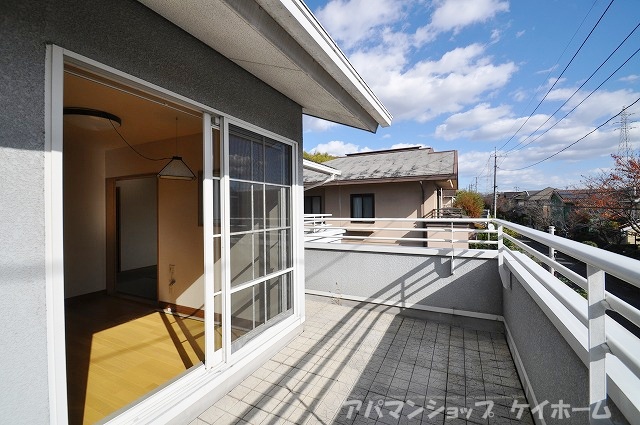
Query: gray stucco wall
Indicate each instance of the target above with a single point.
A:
(554, 370)
(127, 36)
(412, 278)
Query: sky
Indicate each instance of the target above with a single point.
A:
(482, 75)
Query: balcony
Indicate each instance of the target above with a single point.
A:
(484, 331)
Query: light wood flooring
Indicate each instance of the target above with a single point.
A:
(120, 350)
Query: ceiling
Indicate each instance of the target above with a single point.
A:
(144, 118)
(282, 43)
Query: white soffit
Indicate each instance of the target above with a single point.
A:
(282, 43)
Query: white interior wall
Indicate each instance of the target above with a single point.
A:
(138, 223)
(84, 218)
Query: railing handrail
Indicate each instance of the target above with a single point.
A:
(615, 264)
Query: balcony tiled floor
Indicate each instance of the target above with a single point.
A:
(363, 366)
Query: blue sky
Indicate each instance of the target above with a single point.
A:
(467, 74)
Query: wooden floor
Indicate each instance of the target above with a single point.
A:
(120, 350)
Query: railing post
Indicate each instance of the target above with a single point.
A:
(453, 266)
(552, 251)
(597, 345)
(500, 246)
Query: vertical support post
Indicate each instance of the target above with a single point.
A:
(597, 344)
(495, 183)
(453, 267)
(500, 246)
(552, 251)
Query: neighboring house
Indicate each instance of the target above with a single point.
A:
(540, 208)
(397, 183)
(99, 98)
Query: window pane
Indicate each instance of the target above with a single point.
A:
(217, 306)
(275, 163)
(277, 206)
(241, 313)
(279, 295)
(259, 304)
(257, 161)
(239, 157)
(217, 265)
(356, 206)
(275, 251)
(316, 206)
(216, 152)
(240, 205)
(258, 206)
(367, 206)
(217, 222)
(242, 258)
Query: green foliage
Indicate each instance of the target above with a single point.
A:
(470, 202)
(493, 237)
(590, 243)
(318, 156)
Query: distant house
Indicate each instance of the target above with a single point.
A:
(541, 208)
(399, 183)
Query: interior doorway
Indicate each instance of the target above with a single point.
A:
(135, 215)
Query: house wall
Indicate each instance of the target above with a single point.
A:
(391, 200)
(127, 36)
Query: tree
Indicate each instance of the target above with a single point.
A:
(611, 199)
(318, 156)
(470, 202)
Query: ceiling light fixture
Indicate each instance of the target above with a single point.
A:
(91, 119)
(176, 169)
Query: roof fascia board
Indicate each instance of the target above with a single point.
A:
(302, 24)
(441, 177)
(282, 39)
(324, 169)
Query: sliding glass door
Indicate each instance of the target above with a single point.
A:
(250, 192)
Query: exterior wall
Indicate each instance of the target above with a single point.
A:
(127, 36)
(415, 279)
(553, 368)
(391, 200)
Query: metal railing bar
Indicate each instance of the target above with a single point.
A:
(624, 308)
(566, 272)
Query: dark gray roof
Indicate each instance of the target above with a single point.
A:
(396, 164)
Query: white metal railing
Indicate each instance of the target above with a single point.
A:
(611, 350)
(605, 346)
(395, 230)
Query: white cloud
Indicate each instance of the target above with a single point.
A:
(316, 124)
(484, 122)
(432, 87)
(495, 36)
(339, 148)
(352, 21)
(453, 15)
(630, 78)
(520, 33)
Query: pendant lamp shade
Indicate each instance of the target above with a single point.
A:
(176, 169)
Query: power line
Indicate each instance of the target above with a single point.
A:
(572, 144)
(578, 89)
(560, 76)
(575, 107)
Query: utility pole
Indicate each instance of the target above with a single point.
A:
(476, 184)
(495, 184)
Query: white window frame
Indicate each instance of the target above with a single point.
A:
(215, 365)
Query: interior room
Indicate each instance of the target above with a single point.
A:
(133, 244)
